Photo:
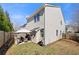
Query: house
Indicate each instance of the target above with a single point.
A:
(72, 28)
(48, 22)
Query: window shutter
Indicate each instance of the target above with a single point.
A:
(38, 17)
(34, 18)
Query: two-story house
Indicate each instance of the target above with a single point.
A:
(48, 23)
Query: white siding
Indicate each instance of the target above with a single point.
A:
(31, 25)
(53, 16)
(50, 21)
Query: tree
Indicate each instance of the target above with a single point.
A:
(5, 23)
(9, 22)
(1, 19)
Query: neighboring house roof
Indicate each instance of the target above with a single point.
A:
(41, 8)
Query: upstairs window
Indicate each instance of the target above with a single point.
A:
(36, 18)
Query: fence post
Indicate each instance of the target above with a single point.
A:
(4, 36)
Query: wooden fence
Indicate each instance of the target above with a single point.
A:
(6, 40)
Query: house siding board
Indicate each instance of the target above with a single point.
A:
(52, 23)
(42, 21)
(33, 24)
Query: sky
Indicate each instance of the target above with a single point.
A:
(19, 11)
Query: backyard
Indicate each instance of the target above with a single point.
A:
(61, 47)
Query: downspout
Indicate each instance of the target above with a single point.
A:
(44, 26)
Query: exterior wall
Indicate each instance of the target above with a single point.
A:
(31, 25)
(53, 17)
(50, 21)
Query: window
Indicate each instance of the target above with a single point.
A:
(61, 22)
(56, 32)
(36, 18)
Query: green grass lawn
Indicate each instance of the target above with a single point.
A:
(62, 47)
